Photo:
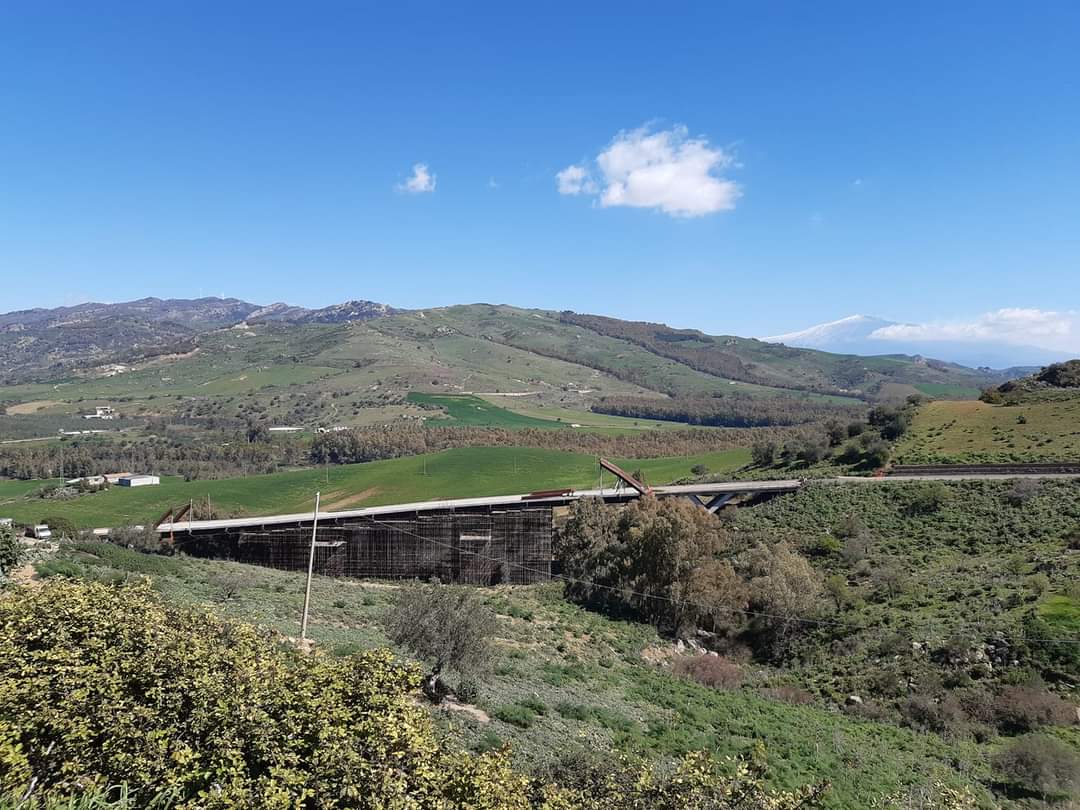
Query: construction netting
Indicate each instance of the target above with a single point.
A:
(476, 548)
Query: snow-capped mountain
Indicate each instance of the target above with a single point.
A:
(848, 335)
(867, 335)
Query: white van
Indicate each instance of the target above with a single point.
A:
(42, 532)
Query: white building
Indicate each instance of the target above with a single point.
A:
(101, 412)
(139, 481)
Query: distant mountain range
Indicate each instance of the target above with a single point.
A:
(416, 347)
(867, 335)
(35, 340)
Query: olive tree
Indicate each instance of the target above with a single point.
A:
(447, 626)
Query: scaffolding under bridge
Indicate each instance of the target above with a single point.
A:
(483, 547)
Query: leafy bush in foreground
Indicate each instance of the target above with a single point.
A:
(10, 549)
(104, 686)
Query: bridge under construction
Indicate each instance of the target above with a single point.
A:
(477, 541)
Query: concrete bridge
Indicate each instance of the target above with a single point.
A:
(709, 496)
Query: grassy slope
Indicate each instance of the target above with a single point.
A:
(541, 331)
(1035, 430)
(474, 411)
(456, 473)
(586, 675)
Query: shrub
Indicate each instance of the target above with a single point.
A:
(242, 722)
(140, 539)
(1040, 764)
(574, 711)
(10, 549)
(927, 498)
(468, 690)
(791, 695)
(927, 714)
(515, 715)
(1022, 491)
(1027, 707)
(709, 670)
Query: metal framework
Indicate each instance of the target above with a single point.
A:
(487, 547)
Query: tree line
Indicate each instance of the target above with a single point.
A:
(376, 443)
(724, 410)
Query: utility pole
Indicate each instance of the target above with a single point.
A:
(310, 570)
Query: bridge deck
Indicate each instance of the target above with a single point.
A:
(612, 495)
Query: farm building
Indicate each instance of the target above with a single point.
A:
(139, 481)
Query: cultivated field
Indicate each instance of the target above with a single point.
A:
(458, 473)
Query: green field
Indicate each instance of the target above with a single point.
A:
(594, 422)
(458, 473)
(946, 391)
(466, 410)
(971, 431)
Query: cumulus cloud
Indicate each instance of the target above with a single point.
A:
(666, 170)
(1016, 325)
(575, 180)
(421, 182)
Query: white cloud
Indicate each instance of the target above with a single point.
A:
(575, 180)
(1014, 325)
(665, 170)
(421, 182)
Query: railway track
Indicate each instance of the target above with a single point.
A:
(936, 470)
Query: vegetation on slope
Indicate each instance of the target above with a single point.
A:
(188, 710)
(580, 698)
(1034, 428)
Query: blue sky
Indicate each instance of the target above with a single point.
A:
(745, 168)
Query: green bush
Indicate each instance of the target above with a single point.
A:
(468, 690)
(10, 549)
(103, 686)
(515, 715)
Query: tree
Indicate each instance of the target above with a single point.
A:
(763, 454)
(667, 542)
(813, 450)
(784, 588)
(836, 432)
(257, 432)
(890, 421)
(447, 625)
(837, 588)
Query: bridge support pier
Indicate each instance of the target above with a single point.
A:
(714, 503)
